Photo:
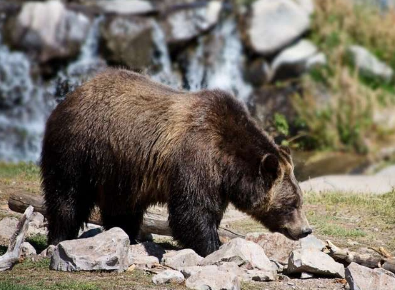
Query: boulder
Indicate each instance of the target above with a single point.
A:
(47, 30)
(27, 250)
(307, 5)
(127, 41)
(168, 276)
(106, 251)
(214, 280)
(183, 258)
(314, 262)
(182, 25)
(8, 227)
(363, 278)
(272, 25)
(89, 230)
(276, 246)
(296, 60)
(193, 270)
(245, 254)
(125, 7)
(368, 64)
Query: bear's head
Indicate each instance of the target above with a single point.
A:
(274, 196)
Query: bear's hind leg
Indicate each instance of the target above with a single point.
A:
(194, 226)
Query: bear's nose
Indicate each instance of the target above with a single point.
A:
(307, 231)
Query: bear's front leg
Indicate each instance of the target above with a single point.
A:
(194, 225)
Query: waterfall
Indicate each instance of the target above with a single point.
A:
(87, 64)
(223, 70)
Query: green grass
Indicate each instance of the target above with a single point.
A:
(27, 171)
(39, 242)
(56, 286)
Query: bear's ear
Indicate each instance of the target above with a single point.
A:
(270, 165)
(285, 149)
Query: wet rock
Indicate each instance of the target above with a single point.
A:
(276, 246)
(296, 60)
(183, 258)
(47, 30)
(106, 251)
(182, 25)
(214, 280)
(272, 25)
(363, 278)
(27, 250)
(245, 254)
(312, 243)
(127, 41)
(314, 262)
(122, 7)
(368, 64)
(8, 227)
(168, 276)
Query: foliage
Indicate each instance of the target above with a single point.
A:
(281, 124)
(346, 120)
(29, 171)
(39, 242)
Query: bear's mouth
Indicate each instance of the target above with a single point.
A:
(288, 234)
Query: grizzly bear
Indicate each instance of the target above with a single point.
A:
(123, 142)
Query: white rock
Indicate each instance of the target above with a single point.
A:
(48, 252)
(275, 24)
(183, 258)
(185, 24)
(307, 5)
(192, 270)
(213, 280)
(256, 275)
(27, 250)
(244, 253)
(363, 278)
(168, 276)
(387, 171)
(106, 251)
(295, 60)
(314, 262)
(369, 64)
(145, 255)
(8, 227)
(276, 246)
(36, 226)
(311, 242)
(305, 275)
(49, 29)
(122, 7)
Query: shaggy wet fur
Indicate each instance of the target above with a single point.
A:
(123, 142)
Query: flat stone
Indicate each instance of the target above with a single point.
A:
(106, 251)
(274, 24)
(363, 278)
(182, 258)
(128, 7)
(276, 246)
(168, 276)
(314, 262)
(245, 254)
(213, 280)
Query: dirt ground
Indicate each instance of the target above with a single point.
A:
(355, 222)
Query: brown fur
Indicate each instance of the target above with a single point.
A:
(124, 143)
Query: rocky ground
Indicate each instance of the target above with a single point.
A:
(359, 223)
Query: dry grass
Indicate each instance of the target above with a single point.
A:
(346, 119)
